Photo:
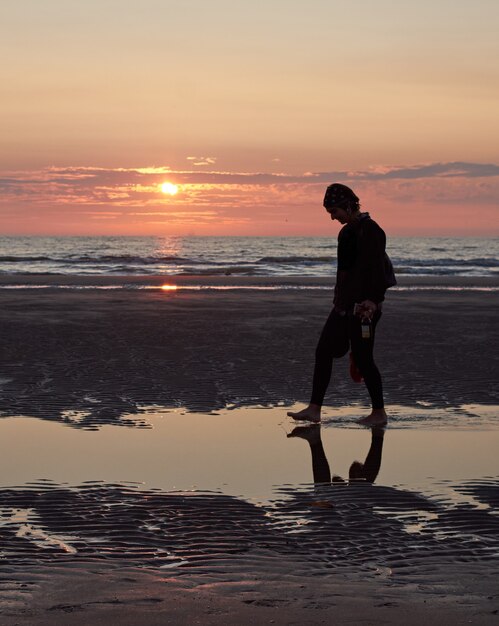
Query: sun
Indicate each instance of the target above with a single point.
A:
(169, 188)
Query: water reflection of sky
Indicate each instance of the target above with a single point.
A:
(243, 452)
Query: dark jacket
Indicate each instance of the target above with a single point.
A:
(362, 264)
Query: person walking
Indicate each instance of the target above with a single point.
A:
(364, 273)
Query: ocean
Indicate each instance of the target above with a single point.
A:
(244, 256)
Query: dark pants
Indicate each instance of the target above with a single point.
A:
(340, 333)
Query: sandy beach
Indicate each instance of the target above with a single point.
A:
(107, 352)
(202, 508)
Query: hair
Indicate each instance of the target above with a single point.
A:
(341, 196)
(356, 471)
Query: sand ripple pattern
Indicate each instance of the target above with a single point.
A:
(310, 529)
(88, 361)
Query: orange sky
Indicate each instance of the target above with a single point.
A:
(252, 110)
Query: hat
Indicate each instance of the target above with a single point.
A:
(338, 194)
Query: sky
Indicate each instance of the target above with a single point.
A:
(251, 109)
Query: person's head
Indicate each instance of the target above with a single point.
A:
(341, 203)
(356, 471)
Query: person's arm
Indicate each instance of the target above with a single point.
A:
(340, 289)
(372, 250)
(347, 251)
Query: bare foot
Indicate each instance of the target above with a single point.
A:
(311, 414)
(311, 433)
(377, 417)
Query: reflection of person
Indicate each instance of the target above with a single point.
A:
(364, 273)
(367, 471)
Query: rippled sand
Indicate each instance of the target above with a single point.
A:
(228, 501)
(144, 478)
(90, 357)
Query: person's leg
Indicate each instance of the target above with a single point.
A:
(320, 465)
(333, 343)
(363, 354)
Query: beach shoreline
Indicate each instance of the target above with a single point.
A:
(94, 358)
(133, 280)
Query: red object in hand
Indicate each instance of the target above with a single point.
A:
(355, 374)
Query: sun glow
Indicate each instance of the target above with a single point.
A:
(169, 287)
(169, 188)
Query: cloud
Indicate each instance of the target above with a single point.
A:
(202, 160)
(124, 182)
(264, 199)
(451, 170)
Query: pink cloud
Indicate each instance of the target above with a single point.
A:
(407, 199)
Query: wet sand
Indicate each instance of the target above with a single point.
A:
(200, 509)
(103, 353)
(130, 597)
(419, 545)
(253, 537)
